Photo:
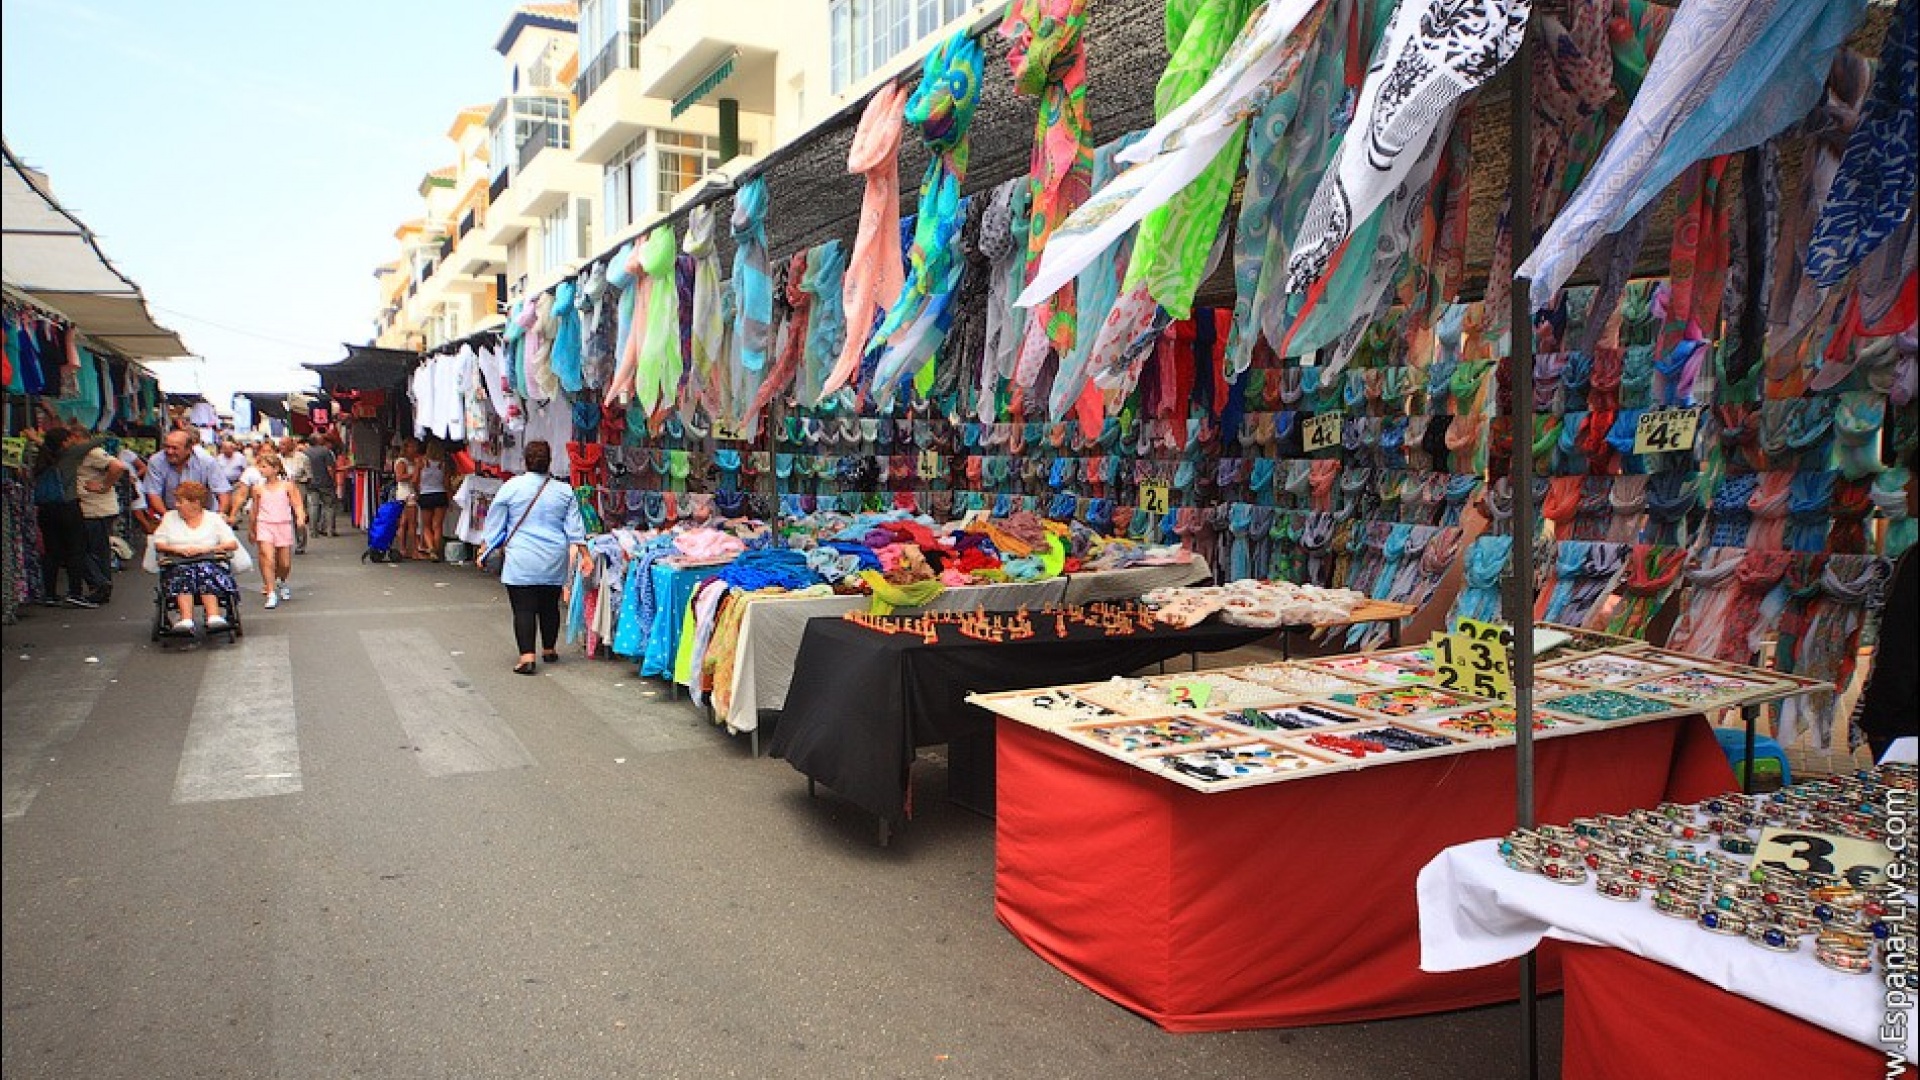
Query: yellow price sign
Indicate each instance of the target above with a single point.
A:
(1860, 863)
(1155, 498)
(1473, 664)
(929, 465)
(13, 450)
(1665, 431)
(1321, 431)
(725, 430)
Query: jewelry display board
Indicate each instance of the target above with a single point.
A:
(1228, 728)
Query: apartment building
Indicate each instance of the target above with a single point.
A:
(615, 112)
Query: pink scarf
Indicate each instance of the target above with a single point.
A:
(875, 274)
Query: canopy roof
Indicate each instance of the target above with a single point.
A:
(367, 367)
(52, 259)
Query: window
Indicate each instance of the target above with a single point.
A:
(865, 36)
(627, 187)
(520, 127)
(610, 33)
(683, 159)
(556, 238)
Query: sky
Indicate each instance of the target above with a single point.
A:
(246, 164)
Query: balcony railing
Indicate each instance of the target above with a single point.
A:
(622, 52)
(499, 185)
(539, 139)
(467, 221)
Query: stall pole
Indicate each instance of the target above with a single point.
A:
(1753, 323)
(1520, 588)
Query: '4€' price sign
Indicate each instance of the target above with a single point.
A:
(930, 465)
(1473, 659)
(1663, 431)
(1321, 431)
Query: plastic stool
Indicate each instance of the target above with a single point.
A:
(1769, 760)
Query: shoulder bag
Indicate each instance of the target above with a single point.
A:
(494, 558)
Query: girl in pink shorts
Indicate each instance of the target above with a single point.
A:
(278, 509)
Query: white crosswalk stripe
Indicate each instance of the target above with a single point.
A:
(242, 742)
(452, 726)
(45, 707)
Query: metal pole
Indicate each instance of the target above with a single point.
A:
(1520, 590)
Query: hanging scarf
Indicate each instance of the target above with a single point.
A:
(793, 334)
(1003, 231)
(942, 107)
(1432, 56)
(752, 276)
(1808, 497)
(707, 335)
(1850, 585)
(1793, 300)
(1480, 581)
(1183, 167)
(1099, 286)
(1874, 187)
(1698, 260)
(874, 274)
(1890, 499)
(1851, 503)
(1258, 248)
(1651, 573)
(1729, 75)
(659, 368)
(827, 327)
(565, 356)
(1768, 508)
(1049, 61)
(1710, 593)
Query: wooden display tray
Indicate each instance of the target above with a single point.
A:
(1139, 736)
(1560, 726)
(1302, 739)
(1372, 668)
(1373, 701)
(1348, 717)
(1247, 693)
(1247, 753)
(1276, 675)
(1022, 705)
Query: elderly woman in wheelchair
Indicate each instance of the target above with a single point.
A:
(194, 547)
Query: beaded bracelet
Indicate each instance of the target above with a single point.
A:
(1722, 922)
(1772, 937)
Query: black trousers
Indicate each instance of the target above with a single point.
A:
(63, 534)
(533, 603)
(99, 534)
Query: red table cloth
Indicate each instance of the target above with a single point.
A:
(1630, 1018)
(1293, 903)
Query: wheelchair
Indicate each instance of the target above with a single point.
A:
(165, 612)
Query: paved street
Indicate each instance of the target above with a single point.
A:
(356, 845)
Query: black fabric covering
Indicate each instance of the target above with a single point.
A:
(861, 701)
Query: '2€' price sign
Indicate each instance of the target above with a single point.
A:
(1154, 498)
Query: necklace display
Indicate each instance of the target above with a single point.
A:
(1111, 619)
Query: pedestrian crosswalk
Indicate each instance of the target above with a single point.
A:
(244, 737)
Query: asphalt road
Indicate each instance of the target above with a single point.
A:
(356, 845)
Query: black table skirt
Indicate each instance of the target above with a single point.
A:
(862, 701)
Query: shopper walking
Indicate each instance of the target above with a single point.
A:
(278, 515)
(537, 523)
(433, 500)
(188, 531)
(322, 505)
(98, 483)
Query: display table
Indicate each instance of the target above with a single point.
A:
(862, 701)
(673, 589)
(1287, 904)
(1474, 911)
(770, 630)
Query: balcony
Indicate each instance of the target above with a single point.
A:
(620, 54)
(549, 177)
(688, 43)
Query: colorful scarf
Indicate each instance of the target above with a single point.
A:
(659, 369)
(1793, 301)
(1651, 574)
(707, 335)
(1698, 260)
(1183, 167)
(1434, 54)
(827, 329)
(752, 276)
(1099, 288)
(1873, 190)
(942, 108)
(1003, 231)
(1729, 75)
(1257, 251)
(874, 274)
(1049, 61)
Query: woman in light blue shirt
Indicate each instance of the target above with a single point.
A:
(539, 553)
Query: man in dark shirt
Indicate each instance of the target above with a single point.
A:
(1892, 702)
(322, 507)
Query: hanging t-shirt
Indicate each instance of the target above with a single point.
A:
(471, 502)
